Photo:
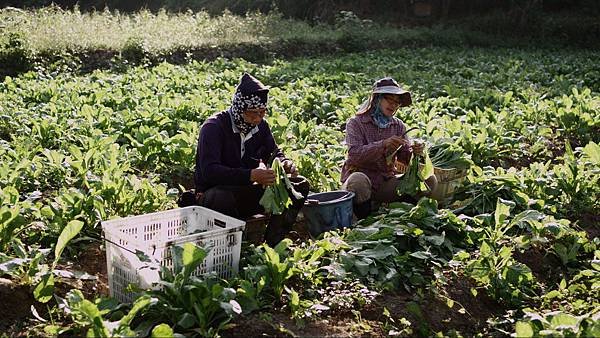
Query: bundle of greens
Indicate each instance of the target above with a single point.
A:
(276, 197)
(448, 155)
(413, 180)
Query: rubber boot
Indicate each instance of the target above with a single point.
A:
(362, 210)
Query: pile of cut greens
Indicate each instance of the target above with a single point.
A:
(448, 155)
(277, 196)
(413, 180)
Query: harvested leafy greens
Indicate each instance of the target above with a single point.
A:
(448, 155)
(413, 180)
(277, 196)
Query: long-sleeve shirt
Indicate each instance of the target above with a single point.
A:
(366, 152)
(222, 158)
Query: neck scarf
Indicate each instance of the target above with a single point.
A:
(379, 118)
(239, 105)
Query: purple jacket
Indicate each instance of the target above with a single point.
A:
(365, 148)
(218, 156)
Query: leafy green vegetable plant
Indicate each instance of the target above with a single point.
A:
(189, 303)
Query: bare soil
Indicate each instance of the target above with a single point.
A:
(15, 304)
(591, 224)
(279, 324)
(545, 267)
(428, 314)
(16, 301)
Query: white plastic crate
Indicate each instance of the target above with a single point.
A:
(154, 234)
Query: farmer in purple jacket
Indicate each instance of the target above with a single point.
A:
(371, 136)
(234, 148)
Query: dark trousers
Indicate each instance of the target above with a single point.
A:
(243, 201)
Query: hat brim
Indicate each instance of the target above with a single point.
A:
(405, 97)
(390, 90)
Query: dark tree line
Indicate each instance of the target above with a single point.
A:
(326, 9)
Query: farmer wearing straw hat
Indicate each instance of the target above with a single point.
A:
(372, 136)
(234, 149)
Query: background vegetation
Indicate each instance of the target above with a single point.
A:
(88, 35)
(99, 117)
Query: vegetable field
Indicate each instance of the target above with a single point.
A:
(516, 250)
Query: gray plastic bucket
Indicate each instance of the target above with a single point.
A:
(328, 211)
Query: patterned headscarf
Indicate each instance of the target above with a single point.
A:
(249, 94)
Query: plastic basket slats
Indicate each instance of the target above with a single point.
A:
(154, 234)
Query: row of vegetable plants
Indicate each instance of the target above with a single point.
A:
(76, 150)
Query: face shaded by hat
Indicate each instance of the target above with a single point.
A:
(385, 86)
(250, 93)
(388, 85)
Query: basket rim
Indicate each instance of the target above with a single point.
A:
(190, 209)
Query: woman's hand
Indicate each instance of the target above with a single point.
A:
(390, 144)
(290, 168)
(262, 176)
(418, 147)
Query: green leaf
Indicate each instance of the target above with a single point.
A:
(564, 319)
(47, 212)
(282, 120)
(427, 169)
(272, 256)
(523, 330)
(436, 240)
(552, 294)
(380, 251)
(568, 150)
(294, 299)
(592, 150)
(505, 252)
(44, 291)
(362, 266)
(142, 256)
(71, 230)
(462, 256)
(162, 331)
(94, 317)
(52, 330)
(526, 216)
(485, 249)
(139, 304)
(421, 255)
(502, 211)
(192, 256)
(187, 321)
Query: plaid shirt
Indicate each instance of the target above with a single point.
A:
(365, 148)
